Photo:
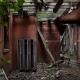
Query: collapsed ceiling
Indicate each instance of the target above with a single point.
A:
(47, 9)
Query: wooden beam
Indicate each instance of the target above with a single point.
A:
(1, 37)
(58, 5)
(73, 17)
(45, 46)
(3, 75)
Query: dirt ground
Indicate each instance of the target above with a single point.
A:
(63, 72)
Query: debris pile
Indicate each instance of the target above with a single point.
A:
(45, 73)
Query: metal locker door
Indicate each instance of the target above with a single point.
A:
(34, 56)
(26, 54)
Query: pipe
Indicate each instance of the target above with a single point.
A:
(58, 5)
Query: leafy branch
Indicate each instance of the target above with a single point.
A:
(6, 5)
(5, 9)
(4, 61)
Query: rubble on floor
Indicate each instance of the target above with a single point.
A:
(70, 72)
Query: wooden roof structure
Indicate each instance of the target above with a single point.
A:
(73, 17)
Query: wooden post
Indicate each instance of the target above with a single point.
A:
(10, 36)
(46, 47)
(1, 41)
(1, 38)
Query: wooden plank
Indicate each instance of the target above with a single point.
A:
(3, 75)
(1, 37)
(46, 47)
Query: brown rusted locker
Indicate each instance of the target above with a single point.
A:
(26, 54)
(21, 31)
(6, 51)
(52, 38)
(78, 44)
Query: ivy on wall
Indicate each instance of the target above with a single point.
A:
(5, 9)
(7, 5)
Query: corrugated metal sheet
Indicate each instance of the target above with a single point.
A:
(26, 54)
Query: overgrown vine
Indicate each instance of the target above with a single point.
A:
(6, 6)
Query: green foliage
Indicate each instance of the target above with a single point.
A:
(4, 61)
(45, 15)
(5, 6)
(5, 9)
(18, 5)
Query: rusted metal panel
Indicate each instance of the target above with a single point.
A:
(54, 48)
(52, 37)
(21, 30)
(78, 44)
(26, 54)
(28, 30)
(42, 57)
(7, 53)
(1, 38)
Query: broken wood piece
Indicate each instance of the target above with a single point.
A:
(45, 45)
